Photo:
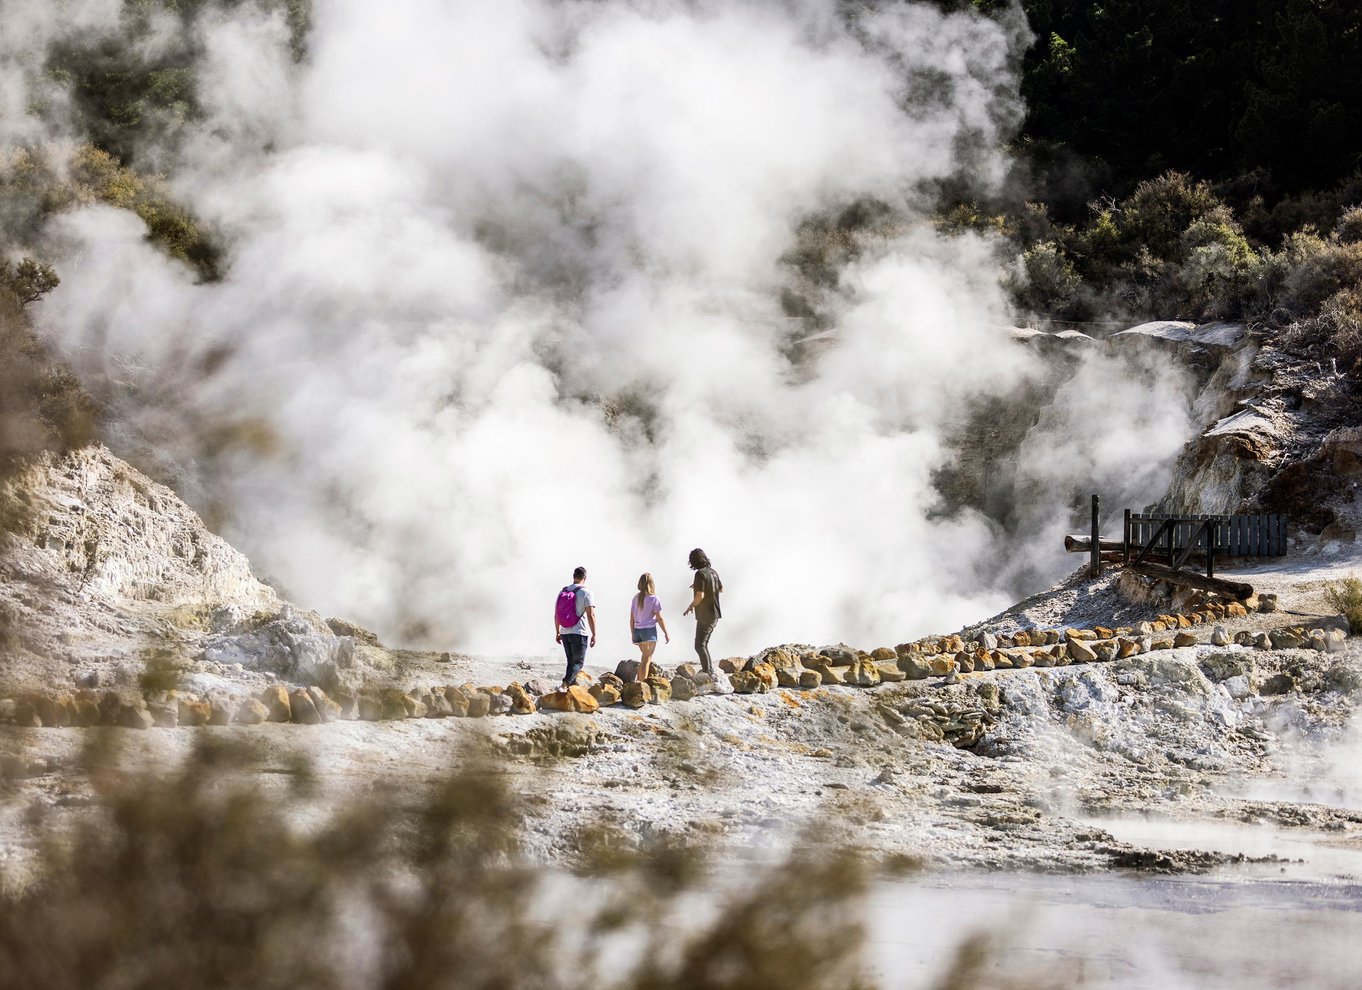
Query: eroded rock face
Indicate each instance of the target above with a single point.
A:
(294, 644)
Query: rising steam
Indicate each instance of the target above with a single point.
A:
(502, 295)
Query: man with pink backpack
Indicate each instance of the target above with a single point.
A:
(574, 612)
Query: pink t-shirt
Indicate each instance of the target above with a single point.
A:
(645, 617)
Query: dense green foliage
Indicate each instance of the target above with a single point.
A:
(1270, 90)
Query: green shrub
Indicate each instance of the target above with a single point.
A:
(1045, 281)
(1345, 597)
(1349, 227)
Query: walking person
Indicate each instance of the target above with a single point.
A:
(574, 614)
(645, 618)
(705, 604)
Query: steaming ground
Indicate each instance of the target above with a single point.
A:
(506, 289)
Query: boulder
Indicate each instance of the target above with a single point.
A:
(368, 707)
(252, 712)
(881, 653)
(1267, 603)
(605, 694)
(26, 715)
(788, 676)
(1285, 639)
(479, 705)
(86, 713)
(862, 673)
(500, 704)
(626, 671)
(688, 669)
(888, 670)
(1261, 641)
(1163, 643)
(541, 686)
(302, 709)
(827, 674)
(1220, 636)
(662, 688)
(327, 708)
(810, 679)
(1081, 652)
(275, 698)
(941, 665)
(570, 699)
(718, 683)
(731, 665)
(763, 670)
(1072, 635)
(134, 717)
(1335, 641)
(965, 663)
(1184, 639)
(636, 695)
(52, 711)
(164, 714)
(1020, 661)
(747, 682)
(1278, 684)
(915, 668)
(1127, 647)
(194, 713)
(1104, 633)
(683, 688)
(522, 703)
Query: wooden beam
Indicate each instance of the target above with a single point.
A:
(1190, 579)
(1083, 544)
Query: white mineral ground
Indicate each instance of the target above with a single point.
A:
(1239, 808)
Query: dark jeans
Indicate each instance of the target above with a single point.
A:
(703, 627)
(574, 645)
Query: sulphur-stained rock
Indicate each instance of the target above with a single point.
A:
(1127, 647)
(731, 665)
(521, 701)
(1042, 658)
(1278, 684)
(222, 709)
(326, 707)
(499, 704)
(1220, 637)
(1144, 629)
(1158, 626)
(194, 713)
(479, 705)
(457, 699)
(883, 653)
(1103, 632)
(1162, 643)
(688, 669)
(1182, 622)
(1285, 639)
(662, 688)
(809, 679)
(1105, 651)
(134, 717)
(1021, 638)
(942, 666)
(275, 699)
(829, 675)
(52, 711)
(889, 672)
(392, 705)
(626, 671)
(636, 695)
(1072, 635)
(1020, 660)
(862, 673)
(607, 694)
(302, 709)
(85, 714)
(683, 689)
(765, 671)
(964, 662)
(164, 714)
(251, 711)
(26, 714)
(1081, 652)
(747, 682)
(1184, 638)
(1236, 610)
(570, 699)
(1267, 603)
(915, 668)
(788, 676)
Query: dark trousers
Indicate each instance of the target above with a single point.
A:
(574, 645)
(703, 627)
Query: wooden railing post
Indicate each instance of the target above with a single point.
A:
(1096, 569)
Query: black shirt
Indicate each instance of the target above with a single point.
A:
(708, 582)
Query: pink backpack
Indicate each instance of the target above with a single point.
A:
(566, 609)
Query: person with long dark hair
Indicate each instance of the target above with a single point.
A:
(705, 604)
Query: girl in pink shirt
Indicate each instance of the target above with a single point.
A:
(645, 617)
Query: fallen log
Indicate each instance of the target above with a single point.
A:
(1191, 579)
(1083, 544)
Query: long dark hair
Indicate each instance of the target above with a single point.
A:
(698, 559)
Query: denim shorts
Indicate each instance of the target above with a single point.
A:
(645, 634)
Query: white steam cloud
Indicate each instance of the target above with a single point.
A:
(503, 281)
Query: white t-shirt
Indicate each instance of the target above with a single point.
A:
(584, 602)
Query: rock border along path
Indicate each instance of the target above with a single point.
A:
(801, 668)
